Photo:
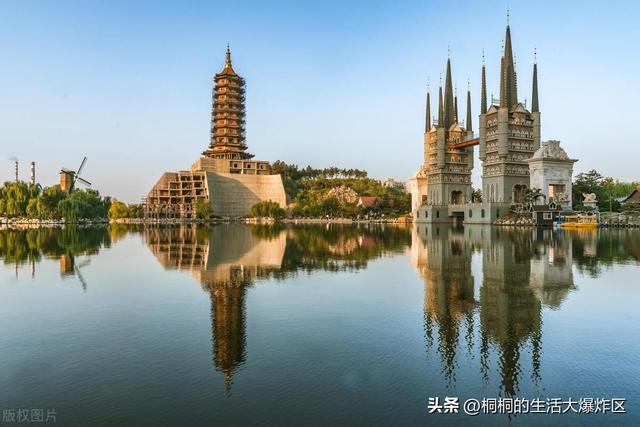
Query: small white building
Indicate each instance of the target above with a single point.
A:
(551, 170)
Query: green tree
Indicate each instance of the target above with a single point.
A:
(330, 206)
(69, 209)
(587, 182)
(613, 189)
(136, 211)
(32, 208)
(47, 204)
(267, 209)
(533, 194)
(476, 195)
(607, 190)
(14, 198)
(118, 210)
(203, 209)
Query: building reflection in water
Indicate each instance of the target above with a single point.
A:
(522, 270)
(225, 260)
(228, 259)
(495, 314)
(443, 259)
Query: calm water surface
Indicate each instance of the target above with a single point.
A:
(239, 324)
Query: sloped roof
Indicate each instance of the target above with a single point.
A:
(634, 197)
(369, 201)
(520, 108)
(456, 127)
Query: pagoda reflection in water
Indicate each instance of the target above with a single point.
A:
(522, 271)
(485, 288)
(225, 260)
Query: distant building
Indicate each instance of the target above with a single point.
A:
(632, 199)
(369, 201)
(392, 183)
(551, 171)
(226, 176)
(545, 215)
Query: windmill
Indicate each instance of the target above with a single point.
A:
(68, 178)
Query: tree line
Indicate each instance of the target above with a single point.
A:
(307, 193)
(23, 200)
(606, 189)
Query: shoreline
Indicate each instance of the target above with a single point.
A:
(34, 224)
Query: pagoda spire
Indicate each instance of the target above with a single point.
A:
(449, 106)
(483, 95)
(469, 122)
(227, 61)
(508, 83)
(534, 96)
(427, 122)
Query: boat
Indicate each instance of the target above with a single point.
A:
(579, 220)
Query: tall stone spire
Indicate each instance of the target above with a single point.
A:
(456, 117)
(449, 106)
(483, 95)
(427, 122)
(440, 107)
(469, 121)
(534, 96)
(508, 84)
(503, 90)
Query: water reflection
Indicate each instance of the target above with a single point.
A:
(225, 260)
(485, 289)
(522, 270)
(228, 259)
(30, 246)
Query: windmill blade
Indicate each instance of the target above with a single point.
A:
(84, 263)
(82, 281)
(84, 181)
(84, 160)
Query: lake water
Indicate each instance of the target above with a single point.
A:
(322, 324)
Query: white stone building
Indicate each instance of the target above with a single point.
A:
(551, 171)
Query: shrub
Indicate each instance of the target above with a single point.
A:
(203, 209)
(267, 209)
(118, 210)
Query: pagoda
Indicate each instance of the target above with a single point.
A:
(228, 116)
(225, 175)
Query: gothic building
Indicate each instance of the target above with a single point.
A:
(509, 135)
(445, 176)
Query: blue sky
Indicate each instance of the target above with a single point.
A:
(128, 84)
